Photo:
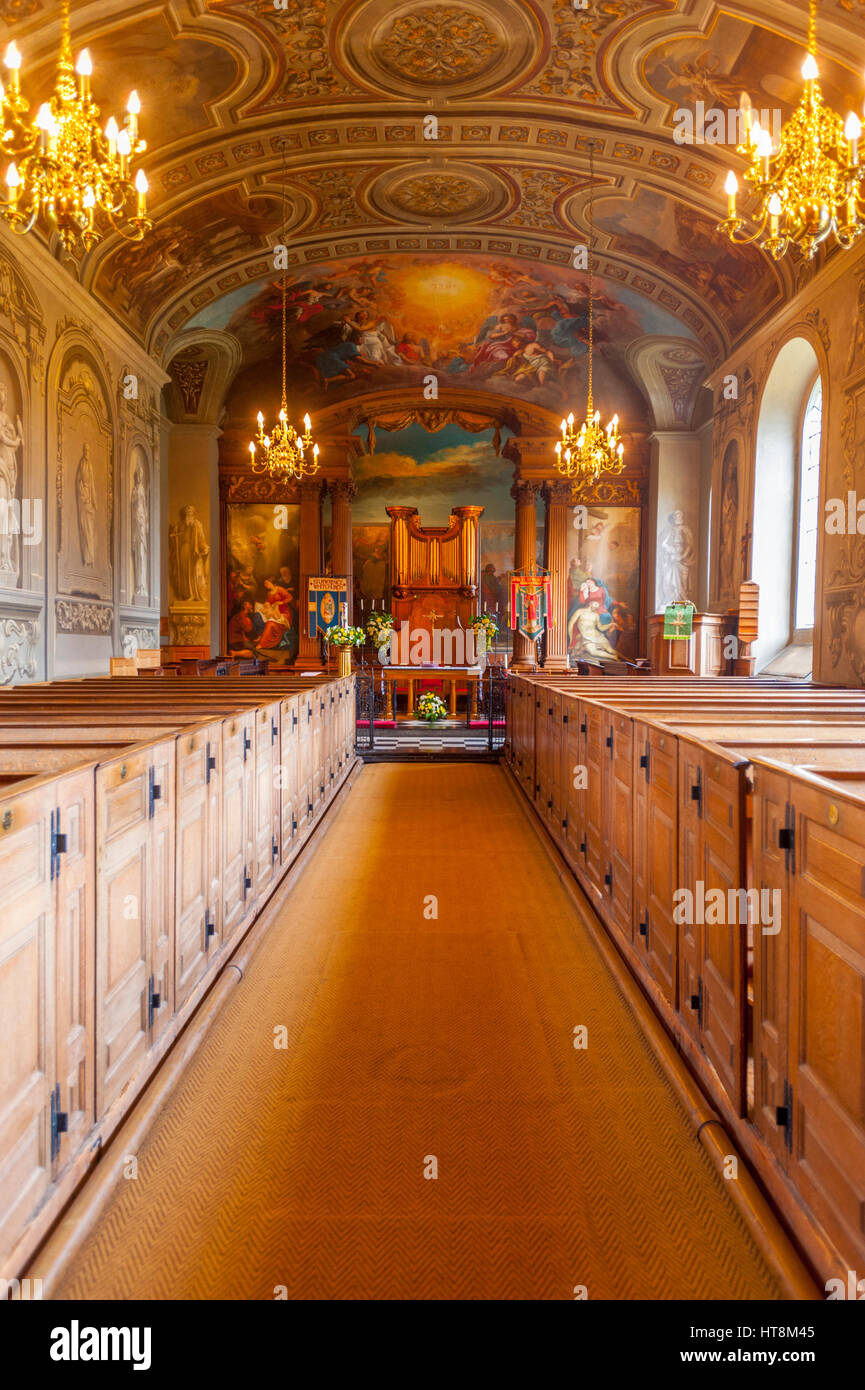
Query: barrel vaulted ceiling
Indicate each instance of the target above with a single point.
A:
(523, 91)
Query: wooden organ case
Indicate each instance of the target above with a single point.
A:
(435, 570)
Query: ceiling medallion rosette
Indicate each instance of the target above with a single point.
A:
(419, 48)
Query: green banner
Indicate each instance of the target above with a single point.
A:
(678, 621)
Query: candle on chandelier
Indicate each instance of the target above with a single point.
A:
(124, 148)
(133, 107)
(746, 113)
(307, 423)
(315, 453)
(764, 150)
(731, 188)
(774, 213)
(852, 132)
(111, 134)
(141, 188)
(252, 449)
(810, 71)
(84, 68)
(13, 179)
(89, 202)
(13, 63)
(43, 125)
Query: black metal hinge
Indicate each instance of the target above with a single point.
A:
(609, 742)
(582, 846)
(565, 823)
(59, 1121)
(247, 744)
(210, 763)
(584, 727)
(247, 881)
(58, 843)
(293, 719)
(643, 927)
(154, 794)
(274, 848)
(274, 731)
(209, 927)
(154, 1001)
(608, 880)
(293, 825)
(644, 761)
(784, 1116)
(787, 838)
(697, 792)
(697, 1001)
(564, 719)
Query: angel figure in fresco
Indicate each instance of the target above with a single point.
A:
(703, 81)
(85, 496)
(532, 363)
(378, 343)
(11, 439)
(494, 345)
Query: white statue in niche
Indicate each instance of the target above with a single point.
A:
(678, 557)
(85, 493)
(11, 439)
(139, 532)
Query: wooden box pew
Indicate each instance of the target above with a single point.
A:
(127, 877)
(809, 992)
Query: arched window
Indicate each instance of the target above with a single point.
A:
(809, 501)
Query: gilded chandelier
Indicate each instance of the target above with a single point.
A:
(285, 453)
(582, 455)
(810, 185)
(63, 165)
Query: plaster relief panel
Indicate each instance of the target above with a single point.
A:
(85, 490)
(11, 477)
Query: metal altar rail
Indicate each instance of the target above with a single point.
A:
(477, 733)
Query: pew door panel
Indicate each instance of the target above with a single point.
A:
(237, 817)
(289, 774)
(267, 824)
(194, 904)
(75, 888)
(160, 900)
(724, 945)
(641, 754)
(27, 1005)
(827, 1029)
(123, 954)
(690, 871)
(575, 786)
(620, 824)
(771, 960)
(592, 725)
(661, 940)
(305, 803)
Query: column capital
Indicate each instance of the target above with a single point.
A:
(342, 489)
(525, 493)
(310, 489)
(558, 493)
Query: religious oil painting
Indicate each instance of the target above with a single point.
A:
(371, 564)
(262, 597)
(604, 583)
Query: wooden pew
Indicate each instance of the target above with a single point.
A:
(181, 808)
(683, 761)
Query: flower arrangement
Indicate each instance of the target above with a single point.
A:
(485, 622)
(344, 636)
(379, 627)
(431, 707)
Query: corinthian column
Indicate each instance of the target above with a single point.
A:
(342, 494)
(557, 497)
(525, 555)
(309, 648)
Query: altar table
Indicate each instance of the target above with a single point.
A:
(451, 677)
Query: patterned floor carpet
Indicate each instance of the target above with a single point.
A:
(429, 972)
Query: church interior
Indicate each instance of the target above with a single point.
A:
(432, 640)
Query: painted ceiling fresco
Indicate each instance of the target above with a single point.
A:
(509, 328)
(521, 90)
